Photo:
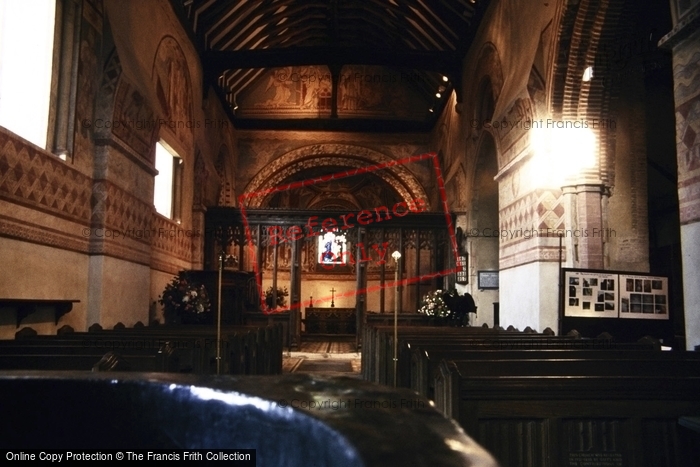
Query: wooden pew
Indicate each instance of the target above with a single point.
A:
(186, 352)
(604, 413)
(377, 348)
(418, 360)
(380, 366)
(55, 352)
(245, 349)
(377, 355)
(59, 359)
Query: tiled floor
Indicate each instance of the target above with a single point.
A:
(323, 357)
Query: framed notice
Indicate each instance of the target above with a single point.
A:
(591, 294)
(643, 297)
(488, 279)
(462, 276)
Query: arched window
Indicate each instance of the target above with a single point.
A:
(38, 66)
(168, 181)
(26, 60)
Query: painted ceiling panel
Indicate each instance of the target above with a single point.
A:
(247, 46)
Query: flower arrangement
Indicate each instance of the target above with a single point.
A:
(281, 300)
(185, 301)
(434, 305)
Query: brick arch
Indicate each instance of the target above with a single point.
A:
(353, 157)
(488, 75)
(488, 66)
(583, 30)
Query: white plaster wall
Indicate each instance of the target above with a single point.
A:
(119, 292)
(483, 256)
(484, 300)
(320, 290)
(691, 284)
(529, 296)
(36, 271)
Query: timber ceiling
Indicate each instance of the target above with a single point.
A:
(357, 65)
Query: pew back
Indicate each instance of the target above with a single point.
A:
(553, 413)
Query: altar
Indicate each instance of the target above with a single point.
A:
(333, 321)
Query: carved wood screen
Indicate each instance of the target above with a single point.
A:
(280, 241)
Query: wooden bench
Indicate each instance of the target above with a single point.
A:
(59, 358)
(377, 354)
(568, 413)
(418, 358)
(378, 358)
(404, 319)
(244, 349)
(377, 348)
(186, 352)
(261, 319)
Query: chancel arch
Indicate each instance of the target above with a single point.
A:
(286, 210)
(398, 176)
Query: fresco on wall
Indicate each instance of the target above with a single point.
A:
(87, 75)
(172, 85)
(134, 116)
(306, 92)
(365, 191)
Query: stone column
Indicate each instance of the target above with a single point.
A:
(684, 40)
(198, 214)
(589, 226)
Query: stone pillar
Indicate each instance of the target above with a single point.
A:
(198, 214)
(569, 242)
(684, 40)
(589, 226)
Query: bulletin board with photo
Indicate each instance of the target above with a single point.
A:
(591, 294)
(643, 297)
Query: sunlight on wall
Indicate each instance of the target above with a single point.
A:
(163, 189)
(560, 154)
(26, 53)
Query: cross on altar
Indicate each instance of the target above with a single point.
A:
(332, 297)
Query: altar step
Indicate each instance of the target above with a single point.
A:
(326, 346)
(349, 367)
(334, 358)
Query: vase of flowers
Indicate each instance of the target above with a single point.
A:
(185, 301)
(433, 305)
(281, 300)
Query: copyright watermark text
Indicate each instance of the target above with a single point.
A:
(104, 232)
(544, 124)
(527, 233)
